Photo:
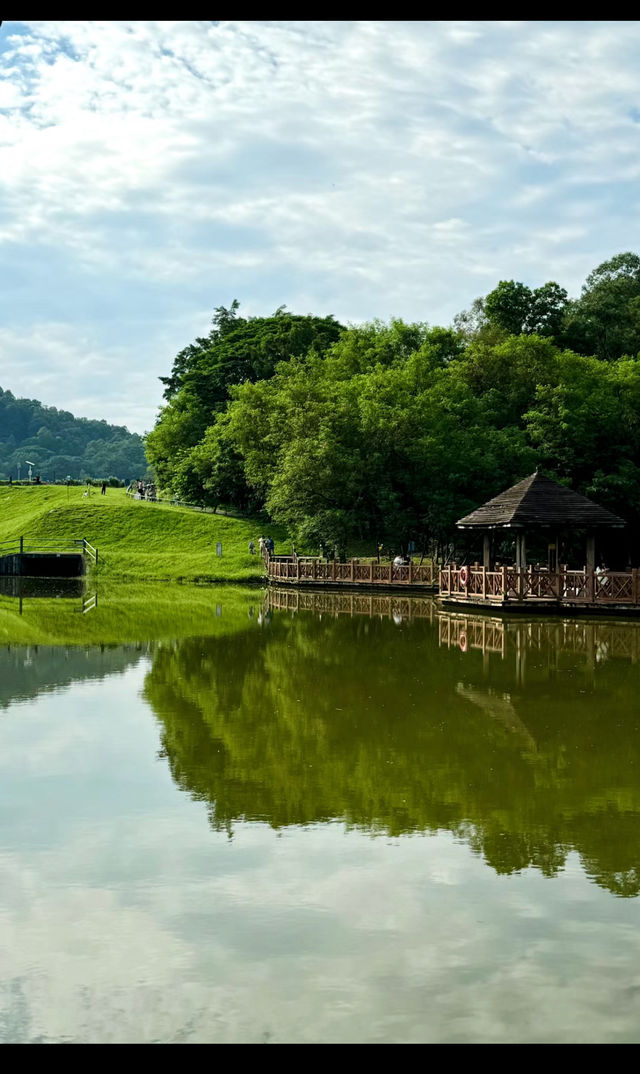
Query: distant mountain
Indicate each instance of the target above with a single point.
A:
(58, 444)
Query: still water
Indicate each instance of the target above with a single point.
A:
(231, 818)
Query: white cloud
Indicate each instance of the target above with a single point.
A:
(177, 165)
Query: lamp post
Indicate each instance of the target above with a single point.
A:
(29, 464)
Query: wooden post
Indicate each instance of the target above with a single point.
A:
(634, 585)
(314, 569)
(486, 552)
(484, 583)
(351, 566)
(590, 567)
(504, 583)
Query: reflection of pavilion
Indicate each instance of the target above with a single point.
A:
(597, 640)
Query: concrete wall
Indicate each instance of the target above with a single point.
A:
(44, 565)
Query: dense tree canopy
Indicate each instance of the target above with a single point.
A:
(237, 350)
(393, 431)
(59, 444)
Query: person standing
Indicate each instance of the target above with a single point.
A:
(103, 489)
(252, 548)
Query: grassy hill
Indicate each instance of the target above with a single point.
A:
(135, 539)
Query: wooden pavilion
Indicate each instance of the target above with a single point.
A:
(542, 509)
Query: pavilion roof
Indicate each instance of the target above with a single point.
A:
(539, 501)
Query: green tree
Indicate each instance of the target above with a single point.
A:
(517, 309)
(605, 320)
(237, 350)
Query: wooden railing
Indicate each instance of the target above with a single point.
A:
(309, 569)
(509, 584)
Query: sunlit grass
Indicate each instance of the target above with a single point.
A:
(136, 539)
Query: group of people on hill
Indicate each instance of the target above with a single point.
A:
(142, 490)
(265, 544)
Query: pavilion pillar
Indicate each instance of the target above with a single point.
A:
(486, 561)
(590, 565)
(521, 562)
(521, 552)
(486, 552)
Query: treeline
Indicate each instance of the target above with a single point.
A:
(60, 445)
(393, 431)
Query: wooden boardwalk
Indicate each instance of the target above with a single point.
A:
(533, 589)
(313, 571)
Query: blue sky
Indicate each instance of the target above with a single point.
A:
(150, 172)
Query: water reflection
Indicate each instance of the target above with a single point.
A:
(520, 737)
(72, 589)
(26, 671)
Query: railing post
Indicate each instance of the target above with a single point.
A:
(484, 583)
(298, 570)
(504, 583)
(351, 566)
(634, 585)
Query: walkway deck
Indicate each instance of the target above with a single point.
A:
(537, 589)
(313, 571)
(534, 589)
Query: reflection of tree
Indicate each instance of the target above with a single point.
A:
(27, 671)
(314, 719)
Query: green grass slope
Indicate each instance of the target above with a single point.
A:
(135, 539)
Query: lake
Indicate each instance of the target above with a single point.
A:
(229, 816)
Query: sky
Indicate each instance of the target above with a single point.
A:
(152, 171)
